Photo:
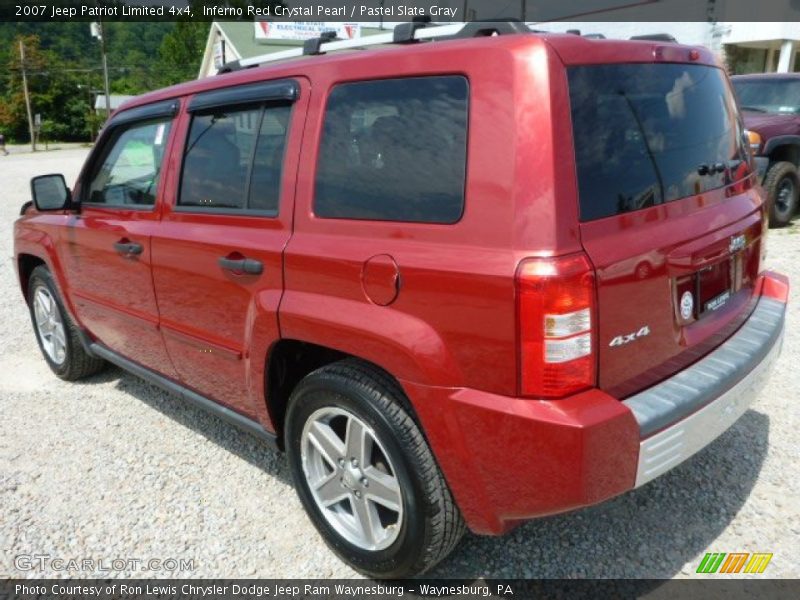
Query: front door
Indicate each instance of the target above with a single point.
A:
(218, 254)
(106, 247)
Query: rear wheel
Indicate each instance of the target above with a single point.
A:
(365, 473)
(781, 184)
(58, 337)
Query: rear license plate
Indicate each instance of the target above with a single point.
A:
(714, 286)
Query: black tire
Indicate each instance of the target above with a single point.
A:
(781, 185)
(76, 364)
(432, 524)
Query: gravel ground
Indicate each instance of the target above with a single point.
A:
(115, 468)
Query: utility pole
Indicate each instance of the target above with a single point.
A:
(97, 31)
(105, 69)
(27, 96)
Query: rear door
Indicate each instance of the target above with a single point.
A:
(668, 214)
(217, 257)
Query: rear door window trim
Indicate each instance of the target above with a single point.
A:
(269, 91)
(262, 96)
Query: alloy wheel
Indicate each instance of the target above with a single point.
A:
(351, 478)
(50, 325)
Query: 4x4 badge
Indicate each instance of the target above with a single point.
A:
(737, 243)
(621, 340)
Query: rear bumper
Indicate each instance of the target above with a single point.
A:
(685, 413)
(510, 459)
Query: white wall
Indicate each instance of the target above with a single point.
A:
(738, 33)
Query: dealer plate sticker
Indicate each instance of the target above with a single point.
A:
(715, 303)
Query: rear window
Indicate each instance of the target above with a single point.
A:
(394, 150)
(646, 134)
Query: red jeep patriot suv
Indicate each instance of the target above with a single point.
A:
(463, 280)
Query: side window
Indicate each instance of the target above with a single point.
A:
(265, 181)
(234, 157)
(129, 172)
(394, 150)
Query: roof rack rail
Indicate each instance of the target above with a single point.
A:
(230, 67)
(416, 30)
(488, 28)
(655, 37)
(314, 45)
(404, 33)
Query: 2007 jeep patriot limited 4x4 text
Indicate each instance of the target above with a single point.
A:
(463, 282)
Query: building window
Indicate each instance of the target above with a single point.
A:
(742, 60)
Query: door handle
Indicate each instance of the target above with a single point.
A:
(128, 248)
(251, 266)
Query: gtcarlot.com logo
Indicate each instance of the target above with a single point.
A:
(734, 562)
(47, 562)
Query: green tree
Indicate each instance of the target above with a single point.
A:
(64, 68)
(13, 114)
(58, 92)
(181, 52)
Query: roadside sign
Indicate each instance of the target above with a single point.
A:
(284, 30)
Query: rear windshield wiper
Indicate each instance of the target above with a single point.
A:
(753, 109)
(719, 167)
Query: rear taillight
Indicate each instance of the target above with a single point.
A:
(557, 325)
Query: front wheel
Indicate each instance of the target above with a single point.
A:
(58, 336)
(781, 185)
(365, 473)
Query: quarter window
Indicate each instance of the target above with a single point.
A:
(234, 157)
(129, 173)
(394, 150)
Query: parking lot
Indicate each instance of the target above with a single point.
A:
(114, 468)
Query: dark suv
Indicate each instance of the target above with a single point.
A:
(463, 281)
(770, 103)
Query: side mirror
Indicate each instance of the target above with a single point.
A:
(50, 192)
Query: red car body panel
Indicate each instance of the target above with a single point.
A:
(771, 125)
(450, 334)
(669, 240)
(453, 321)
(509, 459)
